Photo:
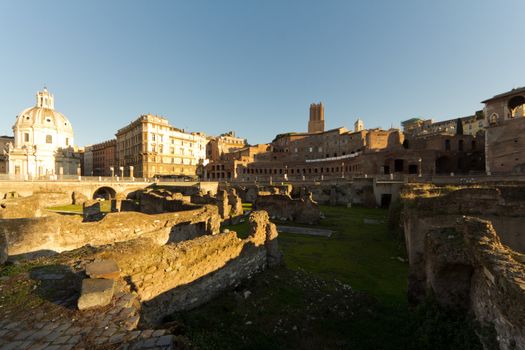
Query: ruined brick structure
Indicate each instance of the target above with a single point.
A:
(14, 206)
(57, 233)
(340, 153)
(223, 144)
(179, 276)
(466, 248)
(505, 142)
(283, 207)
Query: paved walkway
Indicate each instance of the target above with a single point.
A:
(305, 231)
(31, 321)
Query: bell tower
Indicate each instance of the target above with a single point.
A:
(359, 125)
(44, 99)
(316, 122)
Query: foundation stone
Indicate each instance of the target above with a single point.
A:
(95, 293)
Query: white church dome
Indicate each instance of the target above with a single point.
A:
(42, 125)
(43, 115)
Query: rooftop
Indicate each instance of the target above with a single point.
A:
(505, 94)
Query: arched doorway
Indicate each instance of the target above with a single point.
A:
(516, 106)
(105, 192)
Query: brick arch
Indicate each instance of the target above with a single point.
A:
(515, 102)
(105, 192)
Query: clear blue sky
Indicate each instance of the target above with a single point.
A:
(255, 66)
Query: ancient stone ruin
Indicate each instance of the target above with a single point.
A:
(466, 248)
(52, 234)
(283, 207)
(14, 206)
(126, 270)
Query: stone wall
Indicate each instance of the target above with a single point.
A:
(47, 235)
(467, 267)
(85, 188)
(227, 200)
(360, 191)
(32, 206)
(464, 246)
(357, 192)
(284, 207)
(434, 206)
(156, 201)
(180, 276)
(505, 142)
(249, 193)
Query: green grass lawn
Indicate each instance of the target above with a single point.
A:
(301, 305)
(343, 292)
(362, 255)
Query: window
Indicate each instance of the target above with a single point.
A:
(26, 137)
(447, 145)
(67, 141)
(49, 139)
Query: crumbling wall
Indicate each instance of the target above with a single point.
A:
(457, 253)
(32, 206)
(228, 202)
(327, 194)
(467, 267)
(249, 193)
(180, 276)
(190, 188)
(156, 201)
(433, 207)
(284, 207)
(33, 236)
(234, 200)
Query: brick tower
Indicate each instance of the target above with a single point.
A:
(316, 122)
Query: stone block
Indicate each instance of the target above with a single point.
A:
(90, 209)
(107, 269)
(95, 293)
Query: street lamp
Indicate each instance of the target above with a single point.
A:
(420, 170)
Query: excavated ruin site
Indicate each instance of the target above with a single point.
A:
(188, 267)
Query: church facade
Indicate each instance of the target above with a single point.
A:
(43, 142)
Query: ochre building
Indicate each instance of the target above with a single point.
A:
(150, 146)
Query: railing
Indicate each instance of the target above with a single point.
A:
(453, 179)
(73, 178)
(277, 179)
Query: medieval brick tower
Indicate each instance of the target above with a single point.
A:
(316, 122)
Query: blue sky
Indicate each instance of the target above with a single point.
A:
(255, 66)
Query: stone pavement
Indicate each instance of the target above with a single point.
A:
(43, 324)
(305, 231)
